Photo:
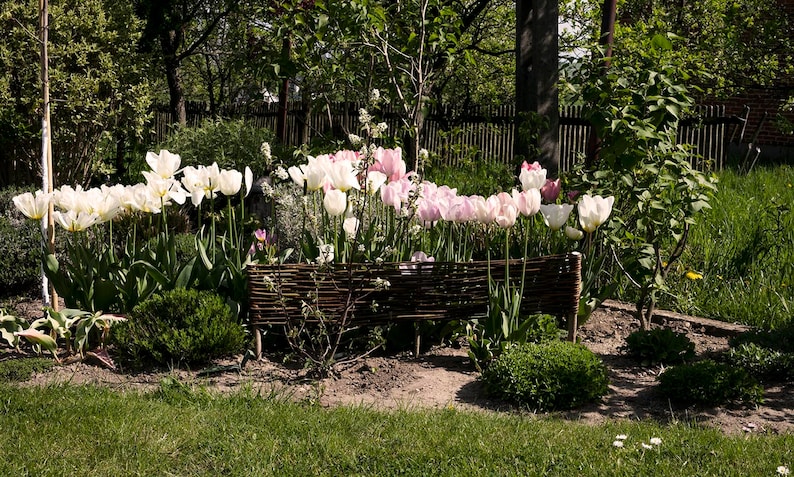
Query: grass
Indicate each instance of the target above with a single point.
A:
(744, 250)
(71, 430)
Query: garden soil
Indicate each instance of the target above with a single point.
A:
(444, 377)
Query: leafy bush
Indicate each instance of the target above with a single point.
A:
(20, 252)
(20, 269)
(709, 383)
(473, 175)
(179, 326)
(660, 345)
(780, 339)
(22, 369)
(545, 376)
(233, 144)
(763, 363)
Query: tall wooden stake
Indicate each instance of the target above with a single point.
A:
(46, 147)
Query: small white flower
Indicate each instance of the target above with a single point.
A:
(382, 284)
(646, 446)
(656, 441)
(374, 95)
(618, 443)
(782, 470)
(354, 139)
(265, 150)
(621, 437)
(282, 173)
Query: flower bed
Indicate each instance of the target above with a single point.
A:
(368, 294)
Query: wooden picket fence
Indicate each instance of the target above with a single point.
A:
(480, 132)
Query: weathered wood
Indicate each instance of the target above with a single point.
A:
(440, 291)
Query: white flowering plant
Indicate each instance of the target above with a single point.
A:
(99, 272)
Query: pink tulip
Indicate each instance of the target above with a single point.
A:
(550, 190)
(485, 209)
(535, 166)
(528, 201)
(390, 195)
(460, 210)
(390, 162)
(428, 211)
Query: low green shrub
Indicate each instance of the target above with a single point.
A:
(233, 144)
(20, 257)
(20, 270)
(180, 326)
(15, 370)
(660, 346)
(474, 175)
(546, 376)
(709, 383)
(764, 364)
(780, 339)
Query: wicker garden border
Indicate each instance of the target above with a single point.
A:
(417, 292)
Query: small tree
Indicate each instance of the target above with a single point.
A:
(636, 112)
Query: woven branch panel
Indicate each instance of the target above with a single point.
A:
(418, 291)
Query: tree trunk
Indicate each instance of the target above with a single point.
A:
(537, 73)
(169, 41)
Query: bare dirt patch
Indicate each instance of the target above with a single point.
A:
(445, 377)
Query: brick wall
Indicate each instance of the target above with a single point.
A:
(769, 101)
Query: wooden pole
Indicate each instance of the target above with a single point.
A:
(46, 147)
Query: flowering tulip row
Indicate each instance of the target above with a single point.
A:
(384, 173)
(79, 209)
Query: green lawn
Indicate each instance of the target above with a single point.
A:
(70, 430)
(744, 250)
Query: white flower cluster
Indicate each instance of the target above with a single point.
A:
(381, 284)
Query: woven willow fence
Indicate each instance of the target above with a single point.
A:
(291, 293)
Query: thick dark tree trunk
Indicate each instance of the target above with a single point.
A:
(169, 41)
(537, 72)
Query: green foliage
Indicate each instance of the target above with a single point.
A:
(709, 383)
(660, 346)
(765, 364)
(22, 369)
(233, 144)
(544, 376)
(780, 339)
(741, 250)
(472, 175)
(636, 110)
(20, 248)
(180, 326)
(98, 84)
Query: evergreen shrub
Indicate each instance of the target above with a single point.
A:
(546, 376)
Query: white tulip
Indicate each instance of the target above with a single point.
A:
(573, 233)
(335, 202)
(34, 207)
(594, 211)
(75, 221)
(532, 179)
(350, 226)
(230, 181)
(556, 215)
(164, 164)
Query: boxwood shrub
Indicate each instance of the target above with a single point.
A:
(547, 376)
(180, 326)
(709, 383)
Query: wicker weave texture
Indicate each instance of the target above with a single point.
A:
(418, 291)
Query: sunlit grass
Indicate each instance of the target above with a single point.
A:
(67, 430)
(744, 250)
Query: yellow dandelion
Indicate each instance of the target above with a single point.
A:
(694, 275)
